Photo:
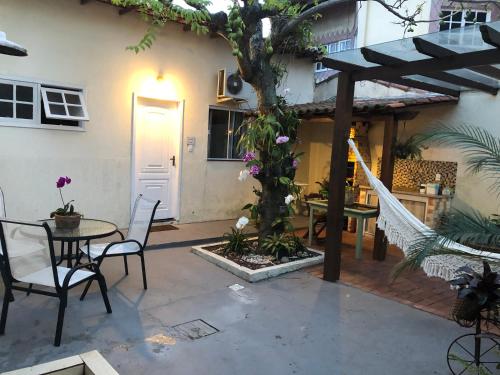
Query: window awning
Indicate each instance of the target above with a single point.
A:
(445, 62)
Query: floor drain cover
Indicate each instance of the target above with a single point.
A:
(196, 329)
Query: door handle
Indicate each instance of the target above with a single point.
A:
(173, 160)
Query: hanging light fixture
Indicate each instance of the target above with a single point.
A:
(10, 48)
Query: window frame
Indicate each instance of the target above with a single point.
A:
(463, 22)
(14, 101)
(37, 123)
(332, 48)
(44, 89)
(230, 136)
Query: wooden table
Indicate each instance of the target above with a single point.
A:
(356, 210)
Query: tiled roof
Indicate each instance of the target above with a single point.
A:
(373, 105)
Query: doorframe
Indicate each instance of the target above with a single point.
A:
(178, 170)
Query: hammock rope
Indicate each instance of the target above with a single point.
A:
(403, 229)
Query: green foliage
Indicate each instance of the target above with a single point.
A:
(481, 290)
(278, 245)
(158, 13)
(237, 243)
(282, 244)
(409, 149)
(277, 162)
(67, 210)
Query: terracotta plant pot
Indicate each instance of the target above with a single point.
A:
(67, 221)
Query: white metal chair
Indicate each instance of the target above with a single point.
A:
(134, 244)
(2, 205)
(28, 257)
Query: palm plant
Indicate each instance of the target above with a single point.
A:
(481, 151)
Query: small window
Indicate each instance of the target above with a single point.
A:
(61, 104)
(17, 101)
(224, 132)
(339, 46)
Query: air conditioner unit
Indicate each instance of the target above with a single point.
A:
(231, 87)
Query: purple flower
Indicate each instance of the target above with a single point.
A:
(61, 182)
(249, 156)
(254, 170)
(68, 180)
(295, 163)
(281, 139)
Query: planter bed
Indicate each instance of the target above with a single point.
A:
(253, 272)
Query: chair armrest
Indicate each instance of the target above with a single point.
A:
(70, 274)
(111, 244)
(121, 234)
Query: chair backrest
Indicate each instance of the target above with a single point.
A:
(2, 204)
(28, 248)
(2, 213)
(141, 219)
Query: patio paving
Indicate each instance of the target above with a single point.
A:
(294, 324)
(412, 288)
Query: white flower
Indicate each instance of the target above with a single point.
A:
(244, 174)
(242, 222)
(289, 199)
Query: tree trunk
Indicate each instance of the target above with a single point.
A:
(271, 202)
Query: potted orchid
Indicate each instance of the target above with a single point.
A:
(65, 217)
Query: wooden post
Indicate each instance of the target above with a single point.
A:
(386, 175)
(338, 172)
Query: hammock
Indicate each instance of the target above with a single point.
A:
(402, 229)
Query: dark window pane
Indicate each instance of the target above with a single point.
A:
(481, 17)
(24, 111)
(237, 152)
(24, 93)
(53, 121)
(457, 17)
(218, 128)
(75, 111)
(55, 97)
(6, 91)
(444, 26)
(57, 109)
(6, 109)
(455, 25)
(72, 99)
(445, 13)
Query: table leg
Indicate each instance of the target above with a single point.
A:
(311, 222)
(61, 257)
(70, 254)
(359, 238)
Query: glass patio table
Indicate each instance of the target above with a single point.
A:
(356, 210)
(89, 229)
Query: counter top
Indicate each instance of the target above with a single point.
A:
(408, 191)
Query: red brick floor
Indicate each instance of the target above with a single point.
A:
(412, 288)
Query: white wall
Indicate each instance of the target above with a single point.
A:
(377, 25)
(85, 45)
(473, 108)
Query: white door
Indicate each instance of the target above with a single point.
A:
(155, 152)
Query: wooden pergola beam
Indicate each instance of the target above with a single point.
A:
(386, 60)
(338, 172)
(434, 50)
(386, 176)
(348, 67)
(422, 67)
(490, 35)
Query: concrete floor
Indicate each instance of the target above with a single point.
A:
(295, 324)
